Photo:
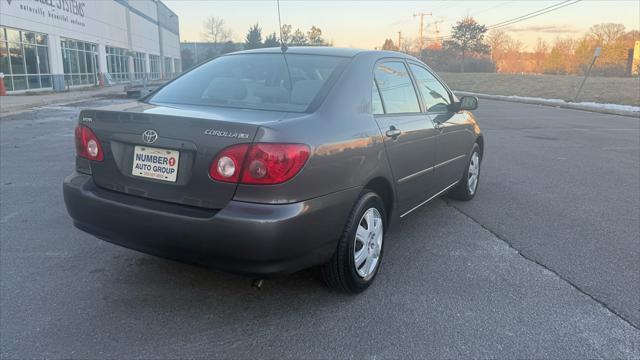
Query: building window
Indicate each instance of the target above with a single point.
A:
(154, 67)
(168, 64)
(24, 59)
(139, 65)
(117, 64)
(176, 66)
(80, 62)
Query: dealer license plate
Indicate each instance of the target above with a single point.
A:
(154, 163)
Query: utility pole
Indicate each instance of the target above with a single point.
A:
(438, 43)
(399, 38)
(420, 34)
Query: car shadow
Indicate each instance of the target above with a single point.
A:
(171, 283)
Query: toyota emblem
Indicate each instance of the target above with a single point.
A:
(150, 136)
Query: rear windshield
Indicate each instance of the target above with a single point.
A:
(253, 81)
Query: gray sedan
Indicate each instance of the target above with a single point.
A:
(266, 162)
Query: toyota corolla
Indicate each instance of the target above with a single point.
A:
(266, 162)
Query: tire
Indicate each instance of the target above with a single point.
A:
(358, 241)
(468, 186)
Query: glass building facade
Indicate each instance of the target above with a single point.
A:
(168, 65)
(177, 66)
(154, 67)
(117, 64)
(24, 59)
(139, 65)
(80, 62)
(45, 47)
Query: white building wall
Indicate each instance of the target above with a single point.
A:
(144, 35)
(170, 44)
(103, 21)
(147, 7)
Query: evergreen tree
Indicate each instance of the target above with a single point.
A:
(253, 40)
(271, 40)
(467, 36)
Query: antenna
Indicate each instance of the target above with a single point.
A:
(283, 46)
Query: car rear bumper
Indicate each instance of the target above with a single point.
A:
(248, 238)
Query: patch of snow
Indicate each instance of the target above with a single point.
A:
(611, 108)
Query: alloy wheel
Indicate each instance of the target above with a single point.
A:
(368, 243)
(474, 173)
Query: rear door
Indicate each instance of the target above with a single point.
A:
(409, 135)
(453, 128)
(186, 141)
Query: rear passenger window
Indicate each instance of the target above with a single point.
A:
(396, 88)
(376, 102)
(435, 96)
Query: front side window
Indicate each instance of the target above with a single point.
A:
(434, 94)
(253, 81)
(396, 88)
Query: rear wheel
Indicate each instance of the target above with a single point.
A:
(356, 261)
(466, 189)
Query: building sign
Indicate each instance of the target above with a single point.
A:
(67, 11)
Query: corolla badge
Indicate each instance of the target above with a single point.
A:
(225, 133)
(150, 136)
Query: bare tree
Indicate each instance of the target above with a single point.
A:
(314, 35)
(285, 33)
(497, 41)
(215, 31)
(606, 33)
(540, 53)
(408, 45)
(299, 38)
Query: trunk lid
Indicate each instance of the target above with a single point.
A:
(192, 135)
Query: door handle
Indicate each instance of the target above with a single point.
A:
(438, 126)
(393, 132)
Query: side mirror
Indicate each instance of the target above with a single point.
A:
(468, 103)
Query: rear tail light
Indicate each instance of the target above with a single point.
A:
(227, 165)
(87, 144)
(261, 163)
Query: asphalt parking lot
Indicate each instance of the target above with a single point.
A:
(543, 263)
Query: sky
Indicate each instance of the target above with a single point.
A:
(366, 24)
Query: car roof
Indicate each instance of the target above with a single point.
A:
(324, 50)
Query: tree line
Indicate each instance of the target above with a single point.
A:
(218, 40)
(472, 47)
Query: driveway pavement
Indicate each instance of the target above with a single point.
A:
(543, 263)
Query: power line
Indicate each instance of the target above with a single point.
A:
(531, 13)
(524, 17)
(510, 22)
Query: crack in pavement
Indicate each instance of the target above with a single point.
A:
(560, 276)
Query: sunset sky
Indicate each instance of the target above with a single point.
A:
(366, 24)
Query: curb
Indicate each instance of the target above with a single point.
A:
(592, 107)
